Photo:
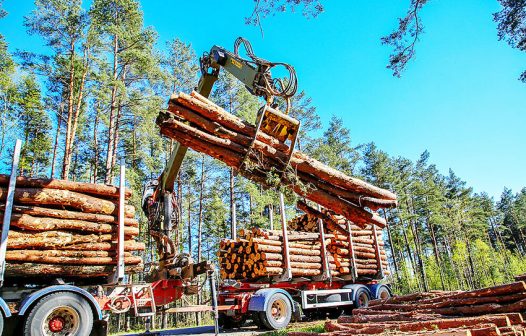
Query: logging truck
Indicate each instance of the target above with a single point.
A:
(194, 121)
(45, 297)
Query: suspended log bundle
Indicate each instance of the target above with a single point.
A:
(258, 253)
(68, 229)
(196, 122)
(489, 311)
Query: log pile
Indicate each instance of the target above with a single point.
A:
(197, 123)
(67, 229)
(488, 311)
(521, 277)
(258, 253)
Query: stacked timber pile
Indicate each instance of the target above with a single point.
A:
(197, 123)
(521, 277)
(485, 312)
(68, 229)
(259, 253)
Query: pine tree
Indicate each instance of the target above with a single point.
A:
(34, 124)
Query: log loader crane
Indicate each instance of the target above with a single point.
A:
(254, 72)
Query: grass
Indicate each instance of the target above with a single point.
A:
(304, 327)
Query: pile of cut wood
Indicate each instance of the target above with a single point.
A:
(521, 277)
(351, 250)
(197, 123)
(484, 312)
(64, 228)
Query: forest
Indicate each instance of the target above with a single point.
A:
(93, 98)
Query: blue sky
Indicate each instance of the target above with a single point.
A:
(460, 98)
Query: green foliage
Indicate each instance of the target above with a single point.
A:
(34, 124)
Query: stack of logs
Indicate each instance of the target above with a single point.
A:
(521, 277)
(259, 253)
(197, 123)
(67, 229)
(484, 312)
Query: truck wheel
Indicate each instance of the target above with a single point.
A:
(231, 322)
(383, 293)
(61, 313)
(1, 323)
(362, 298)
(278, 312)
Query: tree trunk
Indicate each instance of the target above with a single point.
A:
(71, 82)
(113, 106)
(233, 219)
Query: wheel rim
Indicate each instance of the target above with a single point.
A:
(61, 321)
(279, 311)
(363, 300)
(384, 295)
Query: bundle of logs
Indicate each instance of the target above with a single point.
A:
(197, 123)
(483, 312)
(67, 229)
(259, 253)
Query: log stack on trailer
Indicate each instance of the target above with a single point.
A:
(489, 311)
(351, 250)
(62, 228)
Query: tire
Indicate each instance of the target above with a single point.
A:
(383, 293)
(65, 312)
(257, 321)
(278, 312)
(361, 298)
(1, 323)
(231, 322)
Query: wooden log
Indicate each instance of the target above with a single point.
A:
(450, 303)
(45, 258)
(293, 257)
(81, 187)
(45, 270)
(52, 239)
(224, 149)
(129, 245)
(28, 222)
(309, 165)
(56, 197)
(66, 214)
(499, 321)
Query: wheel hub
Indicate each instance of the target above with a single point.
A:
(56, 324)
(61, 321)
(278, 310)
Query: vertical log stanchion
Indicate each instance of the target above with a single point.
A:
(287, 274)
(118, 276)
(213, 292)
(354, 272)
(326, 275)
(378, 255)
(271, 215)
(8, 208)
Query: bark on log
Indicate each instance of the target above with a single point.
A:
(82, 202)
(81, 187)
(44, 270)
(66, 214)
(46, 258)
(52, 239)
(217, 114)
(28, 222)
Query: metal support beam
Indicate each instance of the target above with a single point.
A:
(213, 292)
(118, 277)
(354, 271)
(8, 208)
(326, 275)
(287, 274)
(380, 274)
